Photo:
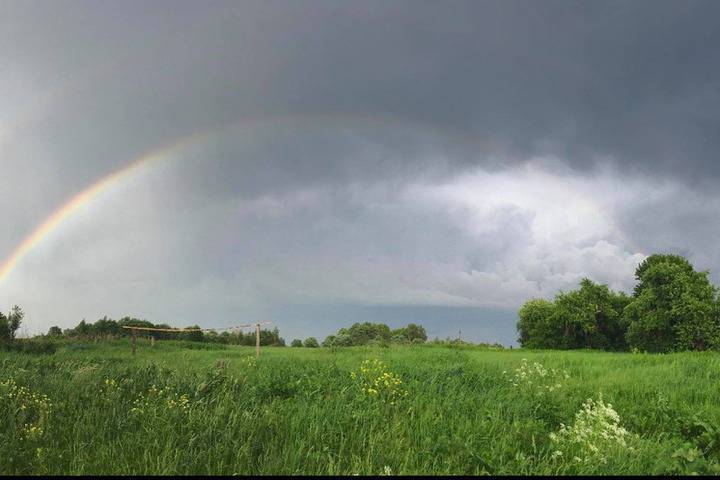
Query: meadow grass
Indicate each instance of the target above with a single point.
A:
(93, 408)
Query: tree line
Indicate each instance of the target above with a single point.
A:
(109, 328)
(356, 335)
(367, 333)
(673, 307)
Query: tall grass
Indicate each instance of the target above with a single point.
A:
(172, 410)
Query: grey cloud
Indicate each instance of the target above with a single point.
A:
(356, 127)
(635, 81)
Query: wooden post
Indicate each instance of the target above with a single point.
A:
(257, 340)
(134, 340)
(152, 341)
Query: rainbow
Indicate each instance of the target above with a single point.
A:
(86, 196)
(176, 147)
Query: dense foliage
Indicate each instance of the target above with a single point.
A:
(672, 308)
(367, 333)
(106, 328)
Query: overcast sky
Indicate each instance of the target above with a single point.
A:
(438, 162)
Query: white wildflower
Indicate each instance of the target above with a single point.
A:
(536, 378)
(595, 430)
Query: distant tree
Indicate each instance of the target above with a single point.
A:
(55, 331)
(212, 337)
(363, 333)
(15, 319)
(236, 338)
(311, 342)
(267, 338)
(136, 322)
(10, 323)
(413, 333)
(5, 333)
(276, 339)
(398, 338)
(195, 336)
(82, 329)
(674, 307)
(296, 343)
(339, 340)
(106, 326)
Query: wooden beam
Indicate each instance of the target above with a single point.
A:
(183, 330)
(257, 341)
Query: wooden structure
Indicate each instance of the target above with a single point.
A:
(135, 330)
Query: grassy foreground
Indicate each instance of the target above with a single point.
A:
(94, 409)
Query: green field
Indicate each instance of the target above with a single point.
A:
(93, 408)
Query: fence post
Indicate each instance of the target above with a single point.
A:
(134, 340)
(257, 340)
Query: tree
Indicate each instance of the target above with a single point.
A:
(276, 339)
(55, 331)
(5, 334)
(15, 319)
(106, 326)
(10, 323)
(536, 325)
(411, 333)
(414, 332)
(311, 342)
(82, 329)
(296, 343)
(363, 333)
(398, 338)
(589, 317)
(673, 308)
(342, 339)
(195, 336)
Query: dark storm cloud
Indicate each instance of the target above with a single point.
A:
(636, 81)
(378, 148)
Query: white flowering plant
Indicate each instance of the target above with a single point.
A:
(536, 378)
(595, 436)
